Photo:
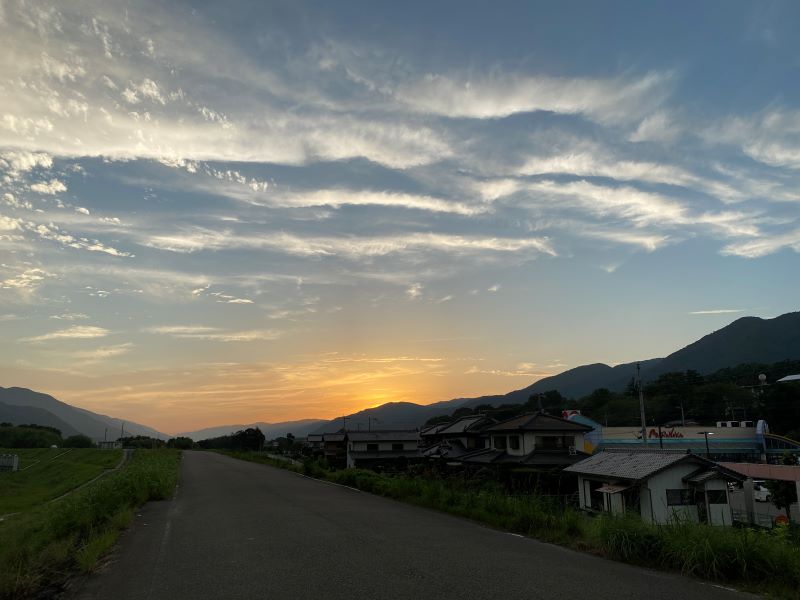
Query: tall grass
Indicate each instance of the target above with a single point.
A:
(755, 559)
(39, 548)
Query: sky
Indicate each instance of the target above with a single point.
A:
(217, 213)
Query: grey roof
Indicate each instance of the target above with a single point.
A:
(433, 429)
(314, 437)
(463, 425)
(633, 465)
(333, 437)
(446, 449)
(383, 436)
(538, 422)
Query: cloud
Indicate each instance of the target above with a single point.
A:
(414, 291)
(18, 162)
(70, 316)
(54, 233)
(717, 311)
(214, 334)
(102, 353)
(75, 332)
(505, 94)
(52, 187)
(351, 247)
(28, 279)
(764, 246)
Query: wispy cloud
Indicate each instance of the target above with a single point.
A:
(505, 94)
(76, 332)
(214, 334)
(717, 311)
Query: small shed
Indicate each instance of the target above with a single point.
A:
(662, 486)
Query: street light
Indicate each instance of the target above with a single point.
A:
(707, 433)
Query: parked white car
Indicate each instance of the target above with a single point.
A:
(760, 492)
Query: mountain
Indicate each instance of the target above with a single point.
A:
(746, 340)
(393, 415)
(77, 420)
(299, 428)
(25, 415)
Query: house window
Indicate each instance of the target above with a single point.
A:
(513, 442)
(679, 497)
(500, 442)
(717, 497)
(548, 442)
(397, 447)
(372, 447)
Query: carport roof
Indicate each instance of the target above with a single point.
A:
(762, 471)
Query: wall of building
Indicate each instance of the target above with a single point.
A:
(654, 505)
(719, 514)
(383, 446)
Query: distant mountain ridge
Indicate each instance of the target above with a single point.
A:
(19, 405)
(299, 428)
(746, 340)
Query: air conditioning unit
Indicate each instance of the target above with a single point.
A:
(573, 451)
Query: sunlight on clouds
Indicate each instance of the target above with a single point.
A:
(76, 332)
(505, 94)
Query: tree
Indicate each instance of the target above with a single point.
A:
(78, 441)
(784, 493)
(181, 443)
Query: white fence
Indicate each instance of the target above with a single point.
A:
(9, 462)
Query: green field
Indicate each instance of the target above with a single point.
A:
(47, 473)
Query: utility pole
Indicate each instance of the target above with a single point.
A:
(641, 403)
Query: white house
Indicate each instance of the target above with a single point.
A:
(662, 486)
(381, 448)
(531, 440)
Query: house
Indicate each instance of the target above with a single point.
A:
(662, 486)
(453, 440)
(109, 445)
(382, 449)
(314, 442)
(334, 448)
(534, 440)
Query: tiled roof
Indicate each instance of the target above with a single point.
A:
(632, 465)
(538, 422)
(383, 436)
(333, 437)
(463, 424)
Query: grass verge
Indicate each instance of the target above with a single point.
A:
(40, 548)
(49, 473)
(758, 560)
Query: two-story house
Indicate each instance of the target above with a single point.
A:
(459, 437)
(382, 449)
(533, 440)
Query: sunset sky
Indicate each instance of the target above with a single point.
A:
(224, 212)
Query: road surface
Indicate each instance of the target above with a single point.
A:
(242, 530)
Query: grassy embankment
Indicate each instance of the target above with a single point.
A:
(764, 561)
(47, 473)
(43, 544)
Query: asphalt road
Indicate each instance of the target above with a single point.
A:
(243, 530)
